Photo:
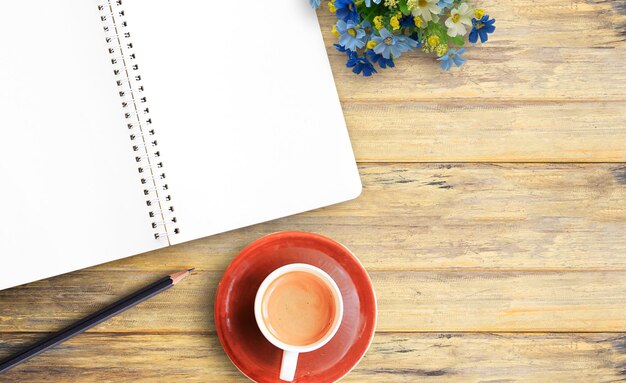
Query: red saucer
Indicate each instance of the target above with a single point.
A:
(242, 340)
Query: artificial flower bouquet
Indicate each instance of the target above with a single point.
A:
(374, 33)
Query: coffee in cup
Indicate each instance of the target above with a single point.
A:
(298, 308)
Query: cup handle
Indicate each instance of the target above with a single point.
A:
(288, 366)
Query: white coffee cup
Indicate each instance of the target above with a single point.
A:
(291, 352)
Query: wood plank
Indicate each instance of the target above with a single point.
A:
(463, 216)
(567, 49)
(407, 301)
(440, 357)
(487, 131)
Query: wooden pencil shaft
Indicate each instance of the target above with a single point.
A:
(87, 323)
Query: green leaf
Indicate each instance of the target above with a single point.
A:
(404, 7)
(458, 40)
(368, 13)
(435, 29)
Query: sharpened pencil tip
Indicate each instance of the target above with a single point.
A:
(180, 276)
(191, 270)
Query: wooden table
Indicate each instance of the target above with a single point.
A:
(492, 222)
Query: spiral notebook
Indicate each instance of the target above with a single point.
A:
(128, 127)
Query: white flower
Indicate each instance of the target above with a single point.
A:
(459, 18)
(424, 9)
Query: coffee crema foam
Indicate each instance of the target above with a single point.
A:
(299, 308)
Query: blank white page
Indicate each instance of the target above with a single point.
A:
(250, 126)
(70, 192)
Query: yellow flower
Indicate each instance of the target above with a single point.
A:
(371, 44)
(418, 21)
(378, 22)
(391, 4)
(335, 31)
(433, 41)
(395, 23)
(479, 13)
(441, 49)
(331, 6)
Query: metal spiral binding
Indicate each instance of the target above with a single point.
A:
(138, 120)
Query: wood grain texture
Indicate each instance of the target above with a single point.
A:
(439, 357)
(533, 217)
(407, 301)
(480, 131)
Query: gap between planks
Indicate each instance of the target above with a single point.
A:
(491, 163)
(348, 100)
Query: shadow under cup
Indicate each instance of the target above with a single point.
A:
(299, 308)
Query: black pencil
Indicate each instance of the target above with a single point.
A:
(94, 319)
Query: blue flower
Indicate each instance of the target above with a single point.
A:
(390, 45)
(353, 58)
(315, 3)
(360, 64)
(351, 36)
(453, 56)
(445, 4)
(341, 49)
(482, 28)
(380, 60)
(368, 3)
(413, 44)
(407, 22)
(346, 10)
